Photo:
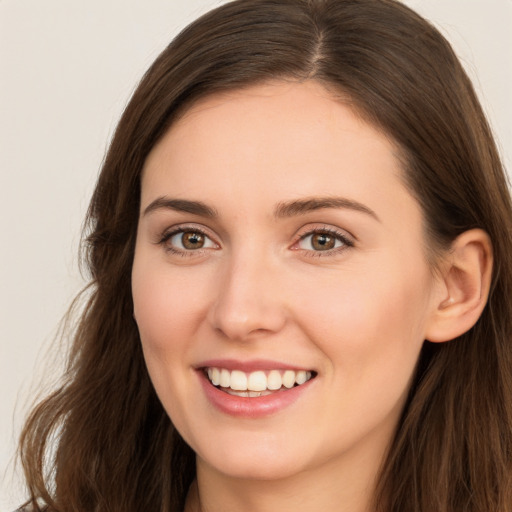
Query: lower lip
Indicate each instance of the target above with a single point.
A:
(251, 407)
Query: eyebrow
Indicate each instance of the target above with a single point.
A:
(282, 210)
(181, 205)
(303, 206)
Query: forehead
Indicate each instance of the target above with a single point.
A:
(292, 111)
(275, 141)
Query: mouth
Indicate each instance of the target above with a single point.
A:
(258, 383)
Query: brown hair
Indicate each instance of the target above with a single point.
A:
(116, 448)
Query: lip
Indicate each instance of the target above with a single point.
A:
(248, 366)
(250, 407)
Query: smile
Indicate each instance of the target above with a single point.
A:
(257, 383)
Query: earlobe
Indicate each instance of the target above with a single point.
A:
(463, 286)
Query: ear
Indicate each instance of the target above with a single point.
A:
(463, 286)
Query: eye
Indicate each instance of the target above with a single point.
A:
(185, 240)
(323, 240)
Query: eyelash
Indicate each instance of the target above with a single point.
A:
(183, 252)
(340, 236)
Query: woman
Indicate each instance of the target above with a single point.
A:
(299, 248)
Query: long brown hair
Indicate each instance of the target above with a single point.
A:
(116, 449)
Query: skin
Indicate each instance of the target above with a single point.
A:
(357, 315)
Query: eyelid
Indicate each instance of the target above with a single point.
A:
(171, 231)
(347, 239)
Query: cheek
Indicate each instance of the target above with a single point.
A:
(167, 305)
(367, 320)
(167, 308)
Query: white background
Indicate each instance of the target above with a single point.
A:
(67, 68)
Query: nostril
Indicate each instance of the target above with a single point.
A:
(246, 308)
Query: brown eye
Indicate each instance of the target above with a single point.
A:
(188, 241)
(322, 241)
(192, 240)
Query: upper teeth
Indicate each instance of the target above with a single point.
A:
(257, 381)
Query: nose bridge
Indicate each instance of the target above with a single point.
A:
(248, 299)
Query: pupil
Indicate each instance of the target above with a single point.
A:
(323, 242)
(192, 240)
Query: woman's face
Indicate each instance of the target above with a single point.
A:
(278, 244)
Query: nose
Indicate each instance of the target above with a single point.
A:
(250, 300)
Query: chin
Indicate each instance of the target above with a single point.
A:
(256, 461)
(274, 470)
